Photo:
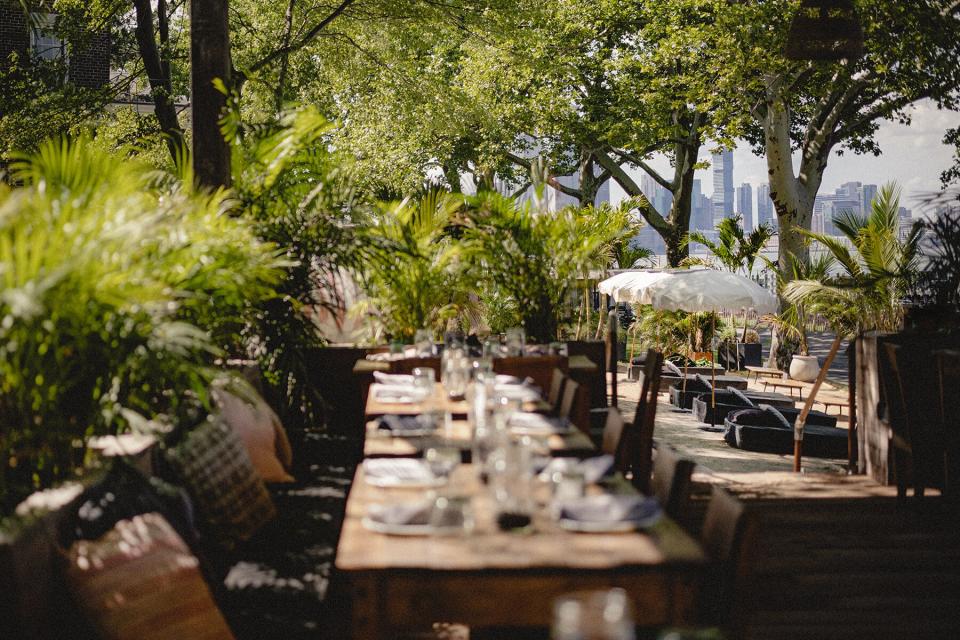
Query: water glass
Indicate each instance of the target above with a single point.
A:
(442, 460)
(516, 340)
(423, 341)
(593, 615)
(423, 382)
(568, 484)
(451, 512)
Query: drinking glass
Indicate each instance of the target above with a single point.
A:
(511, 480)
(423, 381)
(516, 341)
(593, 615)
(442, 460)
(423, 341)
(451, 511)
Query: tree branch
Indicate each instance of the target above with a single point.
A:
(649, 213)
(634, 160)
(307, 38)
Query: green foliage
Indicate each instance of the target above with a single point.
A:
(113, 297)
(735, 249)
(875, 269)
(300, 197)
(419, 281)
(535, 257)
(677, 332)
(793, 319)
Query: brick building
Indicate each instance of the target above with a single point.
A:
(88, 63)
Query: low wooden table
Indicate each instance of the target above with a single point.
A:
(786, 384)
(379, 443)
(490, 578)
(828, 402)
(768, 372)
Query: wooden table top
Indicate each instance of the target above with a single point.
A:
(575, 362)
(380, 443)
(547, 548)
(439, 402)
(767, 371)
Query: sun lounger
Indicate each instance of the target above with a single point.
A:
(733, 400)
(767, 430)
(701, 385)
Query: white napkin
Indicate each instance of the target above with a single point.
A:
(400, 394)
(393, 379)
(519, 392)
(400, 469)
(502, 379)
(593, 469)
(609, 508)
(537, 423)
(411, 513)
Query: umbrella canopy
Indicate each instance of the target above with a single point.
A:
(707, 290)
(629, 286)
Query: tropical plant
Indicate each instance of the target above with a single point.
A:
(301, 197)
(417, 281)
(875, 269)
(793, 320)
(113, 296)
(937, 285)
(735, 249)
(677, 332)
(535, 257)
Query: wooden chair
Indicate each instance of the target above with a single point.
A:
(537, 368)
(638, 439)
(671, 481)
(611, 344)
(729, 533)
(918, 440)
(948, 374)
(571, 391)
(612, 434)
(555, 391)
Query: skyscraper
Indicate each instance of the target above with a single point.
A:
(722, 185)
(764, 206)
(745, 205)
(867, 193)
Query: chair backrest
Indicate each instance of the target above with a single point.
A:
(537, 368)
(612, 347)
(671, 480)
(639, 438)
(555, 392)
(612, 433)
(729, 533)
(571, 390)
(948, 372)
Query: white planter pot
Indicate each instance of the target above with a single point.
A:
(804, 368)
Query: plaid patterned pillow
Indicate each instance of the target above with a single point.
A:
(230, 498)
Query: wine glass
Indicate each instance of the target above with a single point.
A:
(593, 615)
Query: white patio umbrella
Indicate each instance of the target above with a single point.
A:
(699, 290)
(621, 286)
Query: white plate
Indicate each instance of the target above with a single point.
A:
(535, 424)
(405, 483)
(408, 529)
(400, 472)
(620, 526)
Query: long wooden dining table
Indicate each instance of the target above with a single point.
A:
(491, 578)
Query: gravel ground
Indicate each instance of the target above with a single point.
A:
(708, 449)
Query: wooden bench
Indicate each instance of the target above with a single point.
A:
(828, 402)
(785, 384)
(769, 372)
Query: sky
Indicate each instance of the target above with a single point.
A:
(913, 156)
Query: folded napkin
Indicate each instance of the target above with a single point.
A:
(519, 392)
(393, 379)
(593, 469)
(402, 513)
(401, 394)
(537, 423)
(398, 469)
(401, 425)
(502, 379)
(609, 508)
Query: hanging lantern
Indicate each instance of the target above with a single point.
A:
(825, 30)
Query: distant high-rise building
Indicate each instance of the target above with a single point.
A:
(867, 193)
(745, 205)
(850, 190)
(603, 194)
(722, 185)
(764, 206)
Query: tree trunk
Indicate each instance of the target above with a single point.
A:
(589, 185)
(158, 74)
(285, 59)
(209, 61)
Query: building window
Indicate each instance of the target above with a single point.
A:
(44, 42)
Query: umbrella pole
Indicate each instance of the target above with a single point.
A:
(802, 418)
(686, 361)
(713, 364)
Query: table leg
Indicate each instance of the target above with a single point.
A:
(366, 623)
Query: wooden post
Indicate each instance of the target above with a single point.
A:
(802, 418)
(209, 60)
(852, 399)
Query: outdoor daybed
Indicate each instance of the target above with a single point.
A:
(729, 400)
(766, 429)
(701, 385)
